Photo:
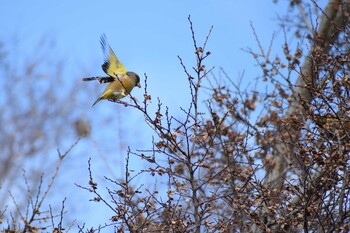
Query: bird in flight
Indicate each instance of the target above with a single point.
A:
(121, 82)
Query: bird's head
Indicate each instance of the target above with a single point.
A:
(135, 78)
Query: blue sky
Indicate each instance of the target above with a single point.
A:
(147, 36)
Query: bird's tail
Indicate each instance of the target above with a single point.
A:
(100, 79)
(90, 78)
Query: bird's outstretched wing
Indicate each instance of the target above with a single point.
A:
(112, 66)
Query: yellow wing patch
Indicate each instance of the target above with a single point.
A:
(112, 66)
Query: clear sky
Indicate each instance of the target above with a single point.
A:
(147, 36)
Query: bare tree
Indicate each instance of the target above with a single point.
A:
(227, 170)
(244, 160)
(33, 111)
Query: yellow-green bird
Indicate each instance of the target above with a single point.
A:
(120, 81)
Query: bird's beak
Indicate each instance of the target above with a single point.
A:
(139, 85)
